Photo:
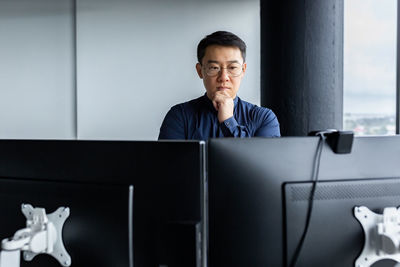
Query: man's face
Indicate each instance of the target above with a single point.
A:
(227, 58)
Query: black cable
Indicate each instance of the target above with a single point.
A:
(317, 161)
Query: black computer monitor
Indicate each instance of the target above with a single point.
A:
(131, 203)
(259, 192)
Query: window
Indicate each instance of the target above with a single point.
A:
(370, 66)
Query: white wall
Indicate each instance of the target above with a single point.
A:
(37, 84)
(135, 59)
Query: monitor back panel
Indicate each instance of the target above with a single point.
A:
(97, 230)
(93, 178)
(334, 229)
(246, 180)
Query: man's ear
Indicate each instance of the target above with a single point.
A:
(244, 68)
(198, 69)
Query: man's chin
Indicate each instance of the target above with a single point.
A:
(227, 92)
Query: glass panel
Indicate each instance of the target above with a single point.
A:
(370, 66)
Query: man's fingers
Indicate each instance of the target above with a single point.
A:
(221, 97)
(223, 94)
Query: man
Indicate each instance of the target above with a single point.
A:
(219, 112)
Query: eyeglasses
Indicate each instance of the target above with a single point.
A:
(234, 69)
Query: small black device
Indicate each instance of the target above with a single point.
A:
(340, 142)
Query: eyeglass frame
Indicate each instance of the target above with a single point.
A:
(230, 74)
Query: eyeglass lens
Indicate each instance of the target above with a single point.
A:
(234, 69)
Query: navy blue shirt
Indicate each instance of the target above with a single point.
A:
(198, 119)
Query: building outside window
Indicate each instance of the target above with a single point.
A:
(369, 76)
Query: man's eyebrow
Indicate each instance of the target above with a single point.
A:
(212, 61)
(217, 62)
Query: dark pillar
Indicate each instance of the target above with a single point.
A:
(302, 63)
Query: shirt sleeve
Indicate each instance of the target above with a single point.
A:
(231, 128)
(269, 125)
(265, 124)
(173, 125)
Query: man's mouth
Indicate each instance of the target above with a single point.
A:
(221, 88)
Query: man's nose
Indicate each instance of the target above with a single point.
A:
(223, 75)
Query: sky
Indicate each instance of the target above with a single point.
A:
(370, 56)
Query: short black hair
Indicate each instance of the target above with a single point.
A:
(220, 38)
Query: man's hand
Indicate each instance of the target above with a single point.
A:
(223, 103)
